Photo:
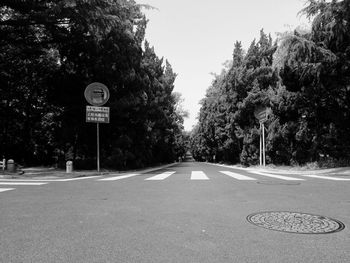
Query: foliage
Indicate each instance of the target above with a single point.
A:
(50, 51)
(303, 78)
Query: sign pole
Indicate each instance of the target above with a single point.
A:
(260, 148)
(98, 146)
(262, 114)
(263, 139)
(97, 94)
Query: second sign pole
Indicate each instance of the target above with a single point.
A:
(260, 149)
(263, 144)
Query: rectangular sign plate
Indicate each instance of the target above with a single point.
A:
(97, 114)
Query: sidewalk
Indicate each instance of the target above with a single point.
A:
(52, 173)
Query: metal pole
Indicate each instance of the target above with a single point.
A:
(98, 147)
(260, 148)
(263, 138)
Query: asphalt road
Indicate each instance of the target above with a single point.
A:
(169, 218)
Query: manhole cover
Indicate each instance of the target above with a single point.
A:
(294, 222)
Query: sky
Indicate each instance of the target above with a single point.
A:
(197, 37)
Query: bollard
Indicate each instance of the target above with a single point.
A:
(3, 164)
(69, 166)
(11, 166)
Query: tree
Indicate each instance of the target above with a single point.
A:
(303, 78)
(51, 51)
(313, 67)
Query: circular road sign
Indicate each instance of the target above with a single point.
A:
(97, 94)
(262, 113)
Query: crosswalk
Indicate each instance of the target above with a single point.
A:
(282, 177)
(238, 176)
(202, 176)
(161, 176)
(197, 175)
(118, 177)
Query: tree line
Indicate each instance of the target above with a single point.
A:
(303, 76)
(50, 51)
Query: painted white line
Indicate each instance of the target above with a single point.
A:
(118, 177)
(75, 179)
(238, 176)
(198, 175)
(154, 168)
(278, 176)
(315, 174)
(6, 189)
(20, 183)
(48, 180)
(325, 177)
(161, 176)
(19, 180)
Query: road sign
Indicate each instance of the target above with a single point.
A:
(97, 114)
(262, 113)
(97, 94)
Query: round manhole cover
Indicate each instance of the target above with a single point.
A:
(294, 222)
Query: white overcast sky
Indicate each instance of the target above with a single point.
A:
(198, 36)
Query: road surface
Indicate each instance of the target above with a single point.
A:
(190, 212)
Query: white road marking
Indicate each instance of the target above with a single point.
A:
(118, 177)
(198, 175)
(75, 179)
(161, 176)
(325, 177)
(22, 180)
(48, 180)
(238, 176)
(6, 189)
(21, 183)
(287, 178)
